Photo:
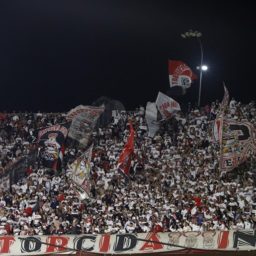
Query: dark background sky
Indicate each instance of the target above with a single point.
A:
(55, 55)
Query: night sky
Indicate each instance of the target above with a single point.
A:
(55, 55)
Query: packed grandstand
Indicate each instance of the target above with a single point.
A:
(174, 184)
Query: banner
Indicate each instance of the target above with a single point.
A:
(243, 240)
(180, 74)
(151, 119)
(166, 105)
(124, 162)
(81, 172)
(238, 143)
(83, 120)
(51, 141)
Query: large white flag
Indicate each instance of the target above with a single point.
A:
(151, 119)
(167, 106)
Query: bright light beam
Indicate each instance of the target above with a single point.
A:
(204, 67)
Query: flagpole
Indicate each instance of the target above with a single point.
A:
(223, 109)
(221, 147)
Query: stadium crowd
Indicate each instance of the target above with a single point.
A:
(175, 183)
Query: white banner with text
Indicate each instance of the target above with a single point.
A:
(129, 243)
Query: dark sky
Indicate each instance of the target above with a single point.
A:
(55, 55)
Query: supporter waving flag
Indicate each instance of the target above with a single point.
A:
(124, 162)
(180, 74)
(51, 145)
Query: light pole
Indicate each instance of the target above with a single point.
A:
(197, 35)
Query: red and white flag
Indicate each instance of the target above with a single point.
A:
(124, 162)
(167, 106)
(180, 74)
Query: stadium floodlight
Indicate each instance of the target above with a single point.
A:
(197, 34)
(203, 67)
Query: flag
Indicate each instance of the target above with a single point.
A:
(167, 106)
(81, 167)
(82, 193)
(83, 119)
(225, 100)
(151, 119)
(80, 172)
(180, 74)
(51, 143)
(124, 161)
(238, 143)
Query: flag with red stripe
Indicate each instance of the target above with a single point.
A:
(124, 162)
(180, 74)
